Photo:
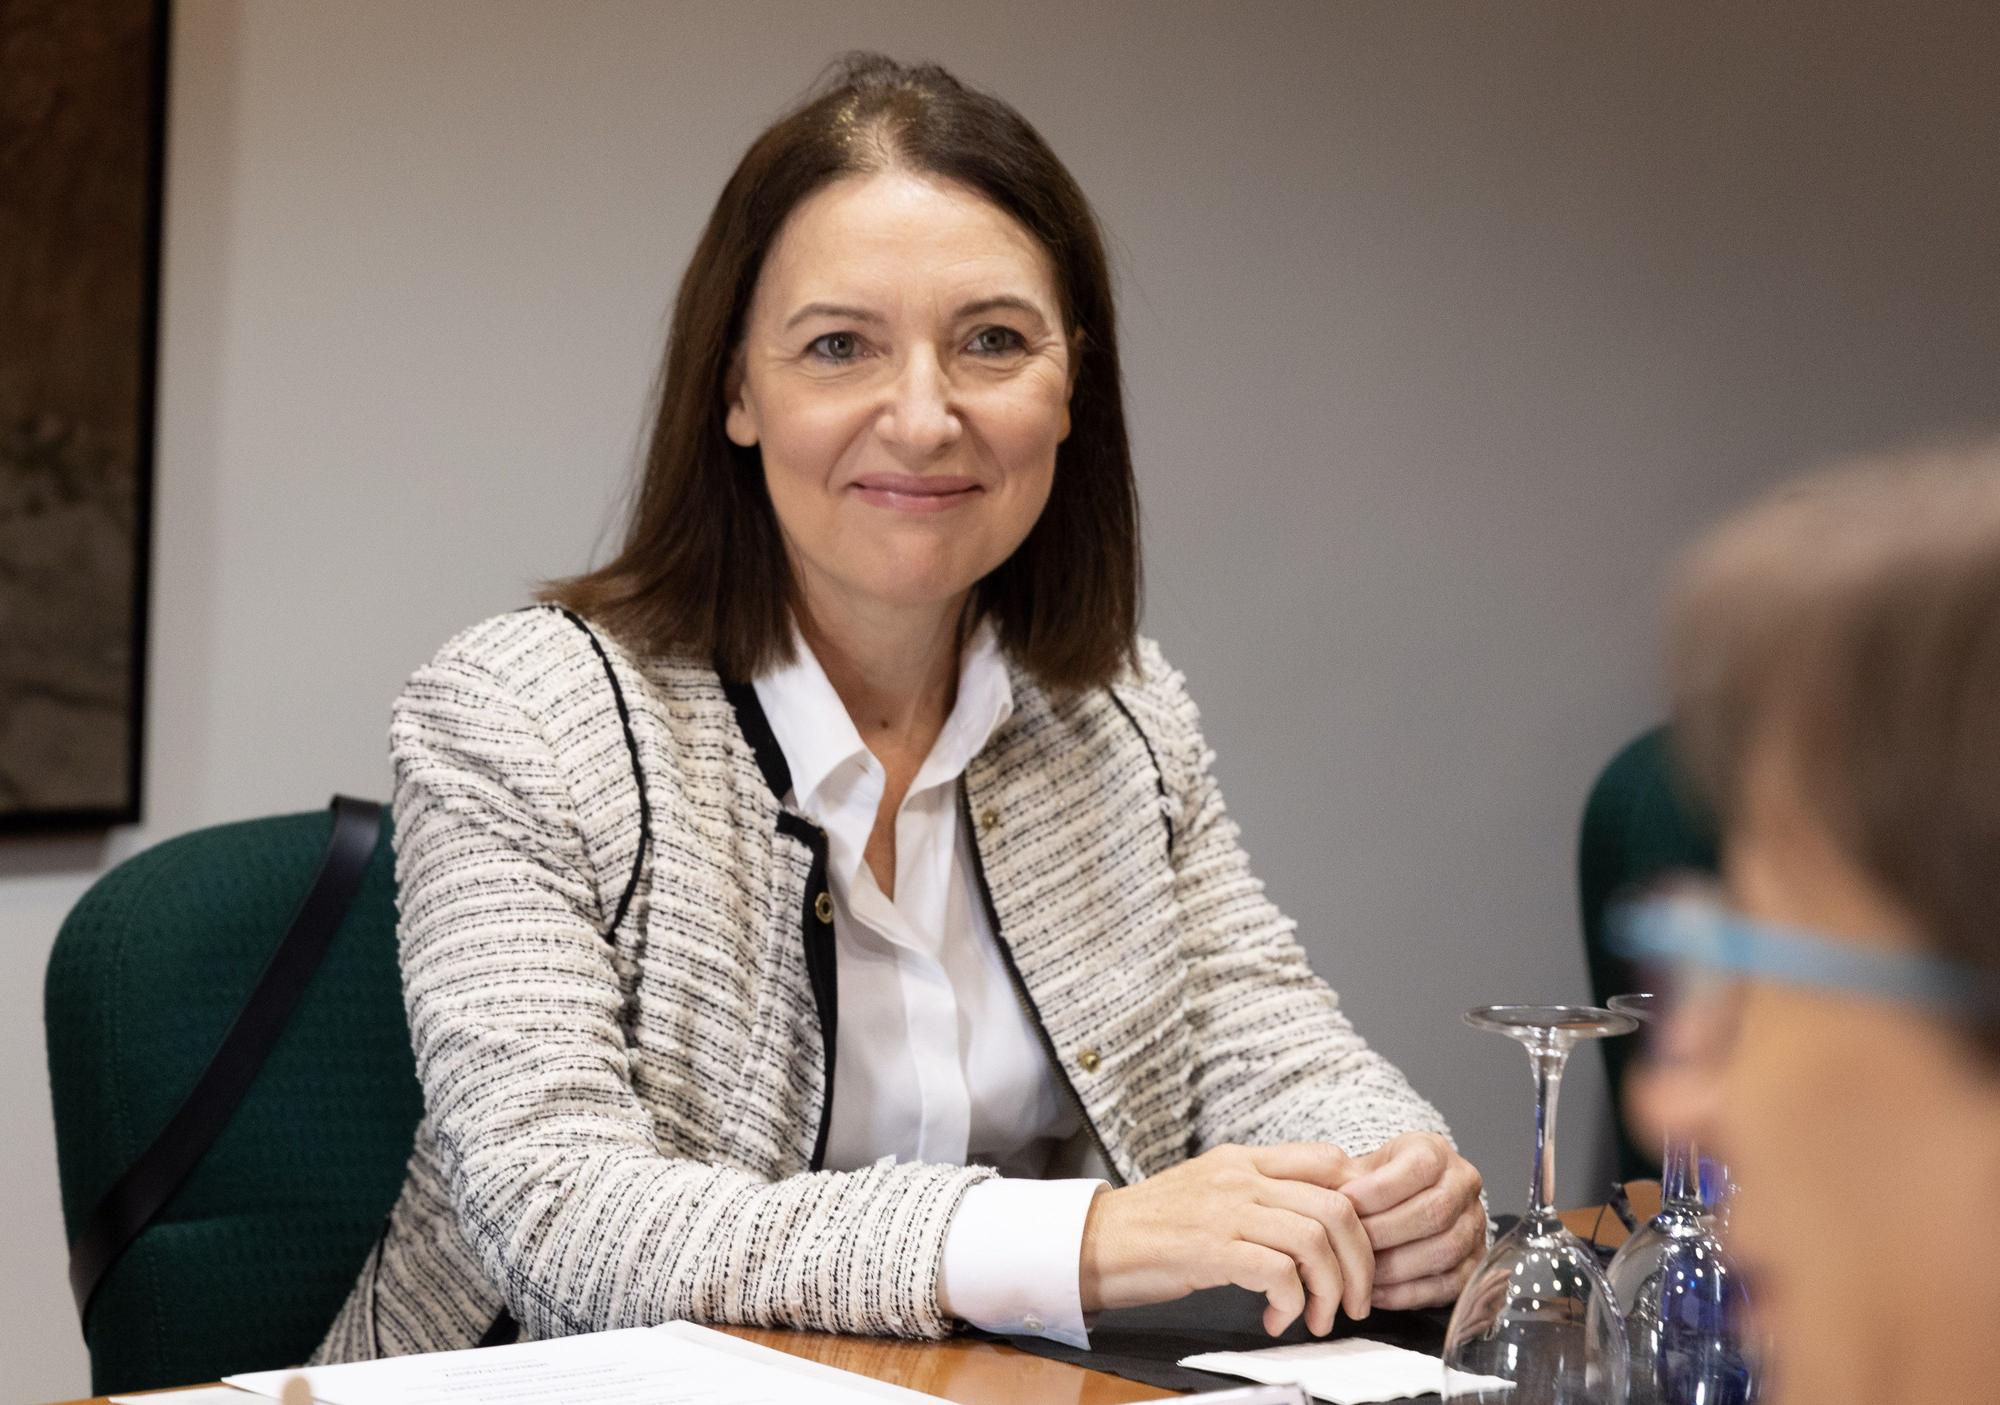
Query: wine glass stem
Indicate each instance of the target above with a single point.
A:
(1678, 1183)
(1548, 1066)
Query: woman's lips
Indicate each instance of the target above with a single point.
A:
(915, 492)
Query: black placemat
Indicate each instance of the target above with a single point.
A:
(1144, 1343)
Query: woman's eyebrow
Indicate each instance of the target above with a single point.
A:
(829, 309)
(1004, 300)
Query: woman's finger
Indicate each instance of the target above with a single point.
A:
(1272, 1274)
(1432, 1291)
(1315, 1163)
(1460, 1242)
(1344, 1232)
(1413, 1162)
(1305, 1240)
(1429, 1212)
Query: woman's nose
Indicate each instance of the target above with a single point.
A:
(920, 417)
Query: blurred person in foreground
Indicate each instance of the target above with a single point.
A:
(1835, 657)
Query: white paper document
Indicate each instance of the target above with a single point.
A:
(675, 1363)
(1346, 1371)
(206, 1395)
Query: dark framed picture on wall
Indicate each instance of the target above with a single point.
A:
(82, 142)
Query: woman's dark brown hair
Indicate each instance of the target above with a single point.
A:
(703, 567)
(1848, 627)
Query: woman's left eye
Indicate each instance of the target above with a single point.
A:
(835, 346)
(995, 340)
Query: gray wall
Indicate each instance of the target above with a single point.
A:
(1444, 324)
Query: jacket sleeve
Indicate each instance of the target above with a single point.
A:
(579, 1216)
(1275, 1059)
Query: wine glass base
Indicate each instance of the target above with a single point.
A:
(1568, 1022)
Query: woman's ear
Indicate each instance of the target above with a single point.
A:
(739, 419)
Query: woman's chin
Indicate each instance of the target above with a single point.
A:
(939, 595)
(902, 582)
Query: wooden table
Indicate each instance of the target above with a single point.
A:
(968, 1372)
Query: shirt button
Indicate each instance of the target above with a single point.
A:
(988, 817)
(1088, 1060)
(1032, 1322)
(823, 907)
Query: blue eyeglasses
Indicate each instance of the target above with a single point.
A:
(1684, 927)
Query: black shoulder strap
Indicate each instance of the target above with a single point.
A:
(130, 1205)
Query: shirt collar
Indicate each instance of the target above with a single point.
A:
(818, 738)
(985, 701)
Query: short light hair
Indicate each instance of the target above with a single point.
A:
(1853, 619)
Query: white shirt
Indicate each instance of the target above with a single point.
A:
(935, 1057)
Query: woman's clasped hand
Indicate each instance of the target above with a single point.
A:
(1311, 1228)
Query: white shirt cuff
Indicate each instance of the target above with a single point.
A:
(1013, 1256)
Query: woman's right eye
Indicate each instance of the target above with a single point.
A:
(835, 346)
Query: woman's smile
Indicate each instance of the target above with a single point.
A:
(916, 492)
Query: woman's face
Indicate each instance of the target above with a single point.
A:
(1864, 1134)
(904, 371)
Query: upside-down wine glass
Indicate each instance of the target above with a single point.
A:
(1524, 1332)
(1678, 1298)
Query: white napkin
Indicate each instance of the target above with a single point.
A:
(1346, 1371)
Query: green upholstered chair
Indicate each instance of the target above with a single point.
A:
(244, 1268)
(1638, 824)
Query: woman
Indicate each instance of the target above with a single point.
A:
(805, 915)
(1837, 660)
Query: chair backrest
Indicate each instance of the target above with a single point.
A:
(245, 1267)
(1638, 824)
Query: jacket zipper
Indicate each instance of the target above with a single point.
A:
(1021, 988)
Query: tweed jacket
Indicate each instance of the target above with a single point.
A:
(621, 1129)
